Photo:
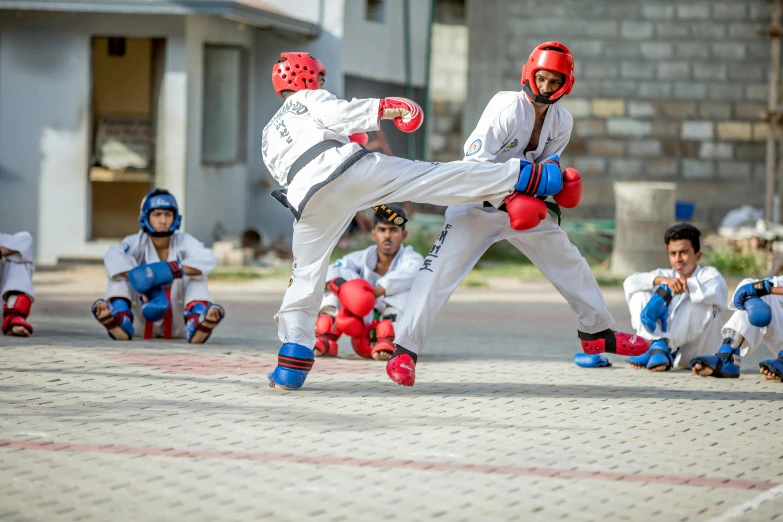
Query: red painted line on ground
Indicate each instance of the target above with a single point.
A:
(418, 465)
(209, 364)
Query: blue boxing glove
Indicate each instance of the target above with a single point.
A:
(157, 304)
(657, 309)
(540, 179)
(759, 312)
(144, 277)
(756, 289)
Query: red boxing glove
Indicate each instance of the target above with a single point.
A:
(360, 137)
(524, 212)
(348, 323)
(571, 194)
(357, 296)
(407, 114)
(361, 343)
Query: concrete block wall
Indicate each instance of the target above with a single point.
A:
(448, 90)
(666, 90)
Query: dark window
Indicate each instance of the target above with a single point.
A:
(223, 136)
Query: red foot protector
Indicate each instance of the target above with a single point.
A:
(402, 369)
(609, 341)
(385, 335)
(16, 315)
(326, 335)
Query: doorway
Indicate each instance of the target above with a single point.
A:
(126, 79)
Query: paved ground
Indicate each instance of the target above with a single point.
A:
(500, 425)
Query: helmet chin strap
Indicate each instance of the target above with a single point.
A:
(536, 97)
(161, 234)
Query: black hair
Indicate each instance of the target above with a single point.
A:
(377, 218)
(684, 231)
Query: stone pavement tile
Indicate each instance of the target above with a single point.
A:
(163, 430)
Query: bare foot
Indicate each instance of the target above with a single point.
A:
(103, 313)
(659, 368)
(382, 356)
(19, 331)
(701, 370)
(770, 376)
(317, 352)
(637, 366)
(211, 320)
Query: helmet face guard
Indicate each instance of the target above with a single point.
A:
(553, 57)
(296, 72)
(158, 199)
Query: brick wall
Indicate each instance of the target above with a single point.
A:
(666, 90)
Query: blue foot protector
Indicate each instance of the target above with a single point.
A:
(660, 355)
(596, 360)
(774, 365)
(294, 362)
(722, 363)
(657, 355)
(640, 360)
(121, 317)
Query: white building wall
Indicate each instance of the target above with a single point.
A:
(376, 50)
(45, 124)
(216, 196)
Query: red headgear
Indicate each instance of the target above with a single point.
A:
(549, 56)
(296, 72)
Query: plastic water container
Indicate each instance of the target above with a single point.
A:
(683, 210)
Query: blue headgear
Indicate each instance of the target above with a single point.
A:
(158, 199)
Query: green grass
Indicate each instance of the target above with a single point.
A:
(248, 273)
(733, 263)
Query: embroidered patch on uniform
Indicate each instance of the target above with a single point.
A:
(511, 145)
(474, 148)
(125, 247)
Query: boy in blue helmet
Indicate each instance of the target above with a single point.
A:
(159, 277)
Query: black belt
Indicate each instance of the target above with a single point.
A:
(308, 156)
(550, 205)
